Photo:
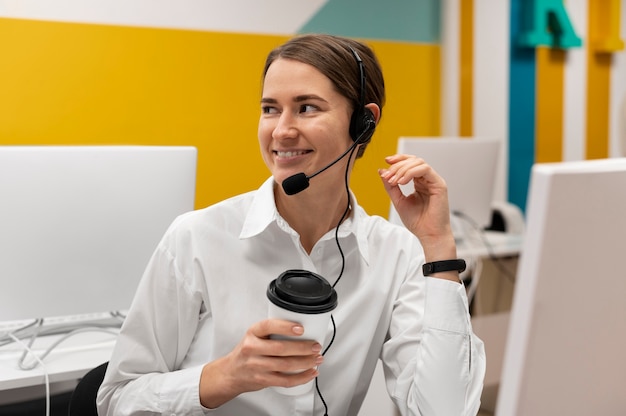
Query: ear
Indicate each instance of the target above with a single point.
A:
(375, 109)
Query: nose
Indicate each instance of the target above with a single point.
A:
(285, 127)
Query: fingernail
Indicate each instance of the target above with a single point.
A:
(298, 330)
(319, 359)
(317, 348)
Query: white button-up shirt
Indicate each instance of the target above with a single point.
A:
(206, 285)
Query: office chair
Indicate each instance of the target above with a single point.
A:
(83, 400)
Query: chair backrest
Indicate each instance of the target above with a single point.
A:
(83, 400)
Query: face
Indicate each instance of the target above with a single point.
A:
(304, 122)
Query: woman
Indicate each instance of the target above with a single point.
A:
(197, 341)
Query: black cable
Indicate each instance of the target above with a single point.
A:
(343, 217)
(317, 386)
(343, 266)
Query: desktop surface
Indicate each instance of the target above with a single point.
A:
(69, 361)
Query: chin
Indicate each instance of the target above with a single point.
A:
(280, 176)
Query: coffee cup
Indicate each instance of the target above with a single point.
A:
(306, 298)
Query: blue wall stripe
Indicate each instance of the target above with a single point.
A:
(397, 20)
(521, 112)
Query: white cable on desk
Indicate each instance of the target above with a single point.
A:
(38, 328)
(56, 343)
(43, 368)
(56, 328)
(6, 338)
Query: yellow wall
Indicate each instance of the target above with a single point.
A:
(66, 83)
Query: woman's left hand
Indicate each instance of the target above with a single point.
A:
(426, 211)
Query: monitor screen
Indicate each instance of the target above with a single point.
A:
(566, 344)
(78, 224)
(468, 166)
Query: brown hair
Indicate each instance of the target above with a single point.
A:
(332, 56)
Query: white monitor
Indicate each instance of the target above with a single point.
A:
(468, 166)
(78, 224)
(566, 345)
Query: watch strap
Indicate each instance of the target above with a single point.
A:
(457, 265)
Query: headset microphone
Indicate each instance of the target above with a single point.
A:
(300, 181)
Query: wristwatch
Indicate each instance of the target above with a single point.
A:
(457, 265)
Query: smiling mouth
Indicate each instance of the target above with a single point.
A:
(290, 153)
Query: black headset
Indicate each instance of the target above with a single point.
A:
(362, 122)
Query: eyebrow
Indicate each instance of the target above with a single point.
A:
(297, 99)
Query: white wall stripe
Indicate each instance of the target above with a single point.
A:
(617, 127)
(280, 17)
(450, 27)
(491, 80)
(575, 86)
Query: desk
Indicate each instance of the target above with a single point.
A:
(69, 361)
(490, 243)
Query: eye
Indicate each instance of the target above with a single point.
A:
(268, 109)
(307, 108)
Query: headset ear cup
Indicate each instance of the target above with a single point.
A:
(362, 125)
(369, 122)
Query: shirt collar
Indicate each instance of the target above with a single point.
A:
(263, 212)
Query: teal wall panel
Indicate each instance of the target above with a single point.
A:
(395, 20)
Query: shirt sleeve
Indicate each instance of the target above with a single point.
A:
(144, 375)
(435, 365)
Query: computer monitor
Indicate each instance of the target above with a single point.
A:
(468, 166)
(78, 224)
(566, 347)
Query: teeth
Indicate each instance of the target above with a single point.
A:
(290, 154)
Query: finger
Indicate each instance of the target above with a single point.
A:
(395, 169)
(291, 348)
(397, 158)
(421, 173)
(267, 327)
(404, 168)
(393, 190)
(294, 363)
(276, 337)
(284, 379)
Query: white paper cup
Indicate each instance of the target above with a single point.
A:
(308, 299)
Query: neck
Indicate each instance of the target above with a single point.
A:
(311, 214)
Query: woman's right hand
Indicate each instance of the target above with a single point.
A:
(258, 362)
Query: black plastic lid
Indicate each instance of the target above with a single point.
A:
(302, 291)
